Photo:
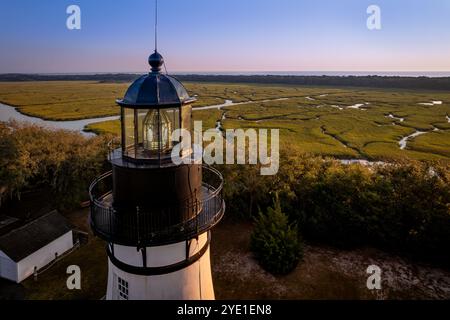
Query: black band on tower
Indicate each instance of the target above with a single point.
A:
(156, 271)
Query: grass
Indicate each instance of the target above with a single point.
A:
(51, 285)
(106, 127)
(63, 100)
(313, 120)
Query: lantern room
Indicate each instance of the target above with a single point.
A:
(154, 106)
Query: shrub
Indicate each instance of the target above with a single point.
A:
(275, 242)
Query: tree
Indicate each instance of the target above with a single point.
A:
(275, 242)
(63, 162)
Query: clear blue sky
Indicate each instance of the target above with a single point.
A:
(225, 35)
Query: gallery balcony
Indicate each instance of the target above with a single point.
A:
(156, 225)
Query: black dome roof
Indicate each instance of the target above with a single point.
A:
(156, 89)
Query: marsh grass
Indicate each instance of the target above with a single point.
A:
(313, 120)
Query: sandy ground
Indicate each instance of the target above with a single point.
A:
(325, 273)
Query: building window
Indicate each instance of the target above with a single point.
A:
(123, 289)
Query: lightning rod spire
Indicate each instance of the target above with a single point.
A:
(156, 25)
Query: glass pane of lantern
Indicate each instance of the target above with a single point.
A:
(141, 117)
(148, 134)
(174, 116)
(186, 112)
(129, 131)
(155, 129)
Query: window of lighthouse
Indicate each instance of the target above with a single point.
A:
(187, 118)
(123, 288)
(128, 128)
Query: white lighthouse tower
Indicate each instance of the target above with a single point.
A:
(156, 216)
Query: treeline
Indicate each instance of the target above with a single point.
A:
(426, 83)
(19, 77)
(63, 162)
(402, 207)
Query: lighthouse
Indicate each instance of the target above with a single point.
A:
(155, 215)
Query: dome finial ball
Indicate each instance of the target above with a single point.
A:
(156, 61)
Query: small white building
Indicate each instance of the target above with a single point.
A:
(33, 246)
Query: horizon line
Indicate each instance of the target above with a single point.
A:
(233, 72)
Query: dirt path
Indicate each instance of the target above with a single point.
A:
(325, 273)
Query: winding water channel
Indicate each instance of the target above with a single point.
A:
(230, 103)
(404, 142)
(11, 113)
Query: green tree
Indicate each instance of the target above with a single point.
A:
(275, 242)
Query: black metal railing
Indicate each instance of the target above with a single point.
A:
(116, 152)
(156, 226)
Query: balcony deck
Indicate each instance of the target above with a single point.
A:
(156, 226)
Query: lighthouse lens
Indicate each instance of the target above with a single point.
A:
(157, 131)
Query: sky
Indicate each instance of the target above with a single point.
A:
(225, 36)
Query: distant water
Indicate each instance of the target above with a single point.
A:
(10, 113)
(430, 74)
